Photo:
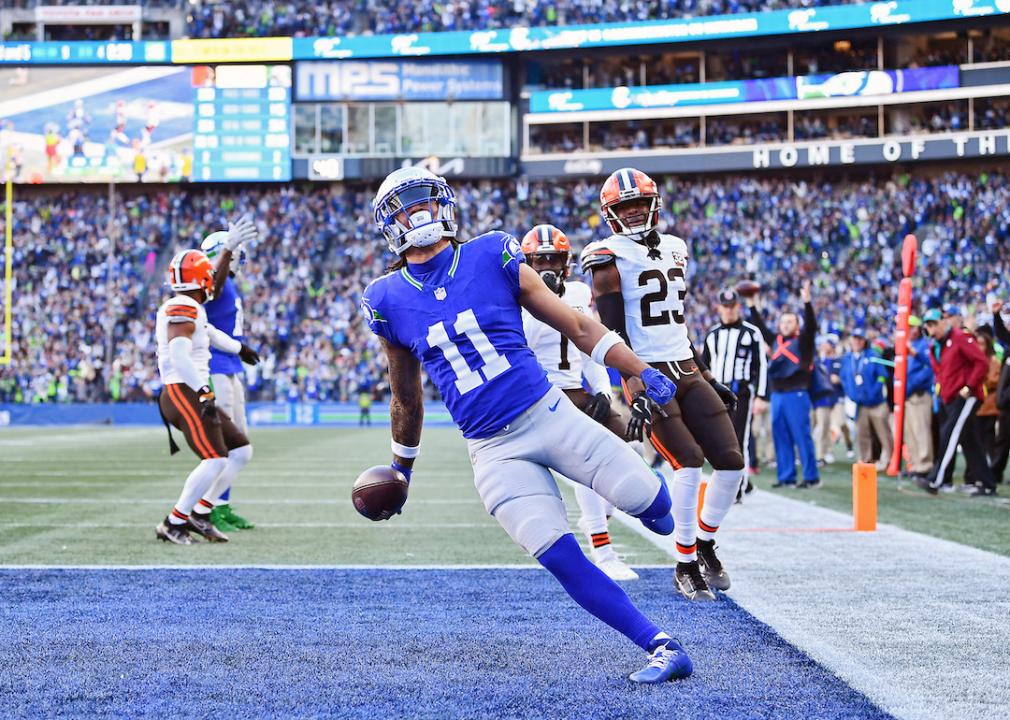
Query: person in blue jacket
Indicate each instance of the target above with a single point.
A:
(790, 368)
(865, 379)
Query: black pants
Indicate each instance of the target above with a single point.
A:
(741, 418)
(1001, 450)
(960, 426)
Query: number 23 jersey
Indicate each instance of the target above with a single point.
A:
(459, 314)
(654, 291)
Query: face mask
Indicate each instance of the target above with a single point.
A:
(551, 280)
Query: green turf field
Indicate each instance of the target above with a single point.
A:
(92, 496)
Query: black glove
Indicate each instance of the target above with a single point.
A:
(248, 355)
(599, 408)
(208, 408)
(640, 423)
(725, 394)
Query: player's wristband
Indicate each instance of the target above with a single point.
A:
(405, 451)
(604, 345)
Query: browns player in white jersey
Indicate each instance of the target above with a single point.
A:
(184, 339)
(548, 252)
(640, 285)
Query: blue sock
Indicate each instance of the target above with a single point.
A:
(595, 592)
(657, 516)
(225, 495)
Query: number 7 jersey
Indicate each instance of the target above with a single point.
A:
(459, 314)
(654, 290)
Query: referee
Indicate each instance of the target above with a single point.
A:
(736, 354)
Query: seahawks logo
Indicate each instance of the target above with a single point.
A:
(372, 315)
(510, 251)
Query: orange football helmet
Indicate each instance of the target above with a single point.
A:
(625, 185)
(544, 240)
(191, 270)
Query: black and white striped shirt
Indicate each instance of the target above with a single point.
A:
(737, 355)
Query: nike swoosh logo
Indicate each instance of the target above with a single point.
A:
(554, 407)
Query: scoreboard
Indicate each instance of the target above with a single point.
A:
(242, 129)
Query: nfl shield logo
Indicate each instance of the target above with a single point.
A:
(440, 293)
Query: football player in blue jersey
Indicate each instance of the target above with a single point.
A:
(456, 309)
(224, 312)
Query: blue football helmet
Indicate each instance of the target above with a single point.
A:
(214, 244)
(414, 208)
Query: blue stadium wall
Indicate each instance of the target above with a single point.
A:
(259, 414)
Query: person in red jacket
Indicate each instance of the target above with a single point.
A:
(960, 367)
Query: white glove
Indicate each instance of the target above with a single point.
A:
(241, 232)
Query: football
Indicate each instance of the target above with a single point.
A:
(747, 288)
(379, 492)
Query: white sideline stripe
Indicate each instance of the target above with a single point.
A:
(105, 83)
(79, 438)
(322, 525)
(916, 623)
(181, 472)
(296, 568)
(149, 501)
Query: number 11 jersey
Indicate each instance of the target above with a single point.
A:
(654, 290)
(459, 314)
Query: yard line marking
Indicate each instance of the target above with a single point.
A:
(280, 501)
(358, 525)
(295, 568)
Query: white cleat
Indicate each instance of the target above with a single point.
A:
(616, 569)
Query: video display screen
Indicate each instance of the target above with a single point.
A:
(145, 124)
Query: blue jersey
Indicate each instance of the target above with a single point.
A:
(459, 314)
(225, 313)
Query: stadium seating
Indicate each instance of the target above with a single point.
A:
(318, 250)
(231, 19)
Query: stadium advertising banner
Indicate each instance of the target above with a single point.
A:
(973, 145)
(335, 167)
(88, 14)
(519, 39)
(145, 124)
(740, 25)
(400, 80)
(846, 84)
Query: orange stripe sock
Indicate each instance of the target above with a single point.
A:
(600, 539)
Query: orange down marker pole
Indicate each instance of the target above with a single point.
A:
(908, 252)
(864, 497)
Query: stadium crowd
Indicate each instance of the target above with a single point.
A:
(76, 291)
(318, 249)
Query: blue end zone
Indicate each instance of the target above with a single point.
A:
(380, 644)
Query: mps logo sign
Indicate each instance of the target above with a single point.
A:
(399, 80)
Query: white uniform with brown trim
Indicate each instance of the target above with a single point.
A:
(654, 290)
(565, 364)
(180, 309)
